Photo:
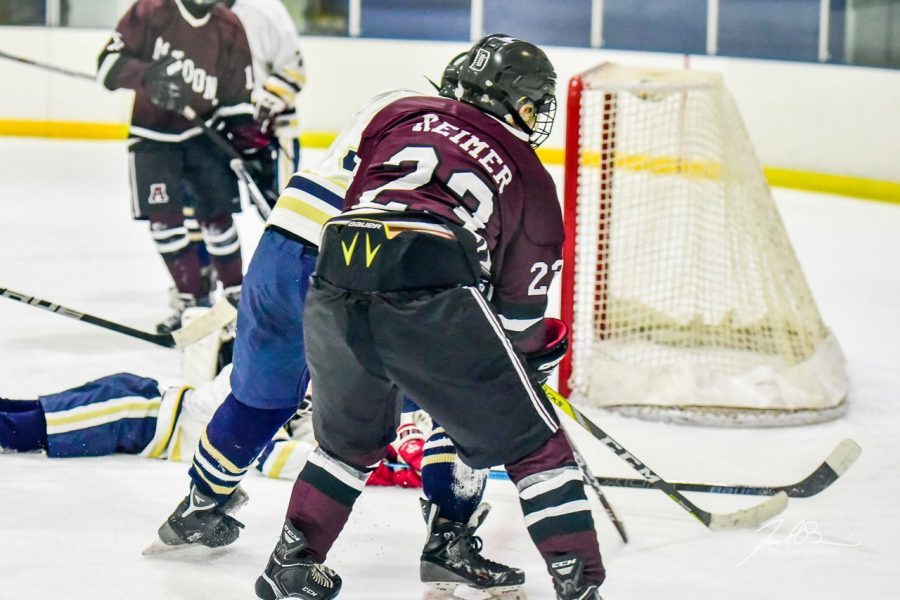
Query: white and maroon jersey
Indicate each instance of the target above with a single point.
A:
(413, 152)
(315, 194)
(274, 43)
(216, 64)
(451, 159)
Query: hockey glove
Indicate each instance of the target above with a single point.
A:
(273, 98)
(410, 445)
(166, 86)
(263, 167)
(543, 360)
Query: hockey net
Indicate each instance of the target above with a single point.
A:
(686, 299)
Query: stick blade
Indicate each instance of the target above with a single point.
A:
(751, 517)
(210, 322)
(843, 456)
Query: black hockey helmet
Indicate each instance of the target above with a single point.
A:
(450, 78)
(501, 74)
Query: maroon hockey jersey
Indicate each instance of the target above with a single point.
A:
(216, 56)
(451, 159)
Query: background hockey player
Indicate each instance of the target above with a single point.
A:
(435, 282)
(175, 54)
(270, 362)
(279, 75)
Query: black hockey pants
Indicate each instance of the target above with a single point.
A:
(442, 345)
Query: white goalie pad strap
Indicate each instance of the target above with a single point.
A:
(167, 419)
(287, 458)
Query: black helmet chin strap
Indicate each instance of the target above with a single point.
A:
(520, 122)
(518, 119)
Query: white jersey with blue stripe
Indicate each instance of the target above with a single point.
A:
(316, 194)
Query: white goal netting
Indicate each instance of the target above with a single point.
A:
(688, 302)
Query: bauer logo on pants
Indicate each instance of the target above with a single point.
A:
(158, 194)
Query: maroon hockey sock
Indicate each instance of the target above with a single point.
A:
(223, 245)
(547, 479)
(181, 257)
(229, 270)
(185, 270)
(322, 500)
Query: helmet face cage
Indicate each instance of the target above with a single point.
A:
(545, 114)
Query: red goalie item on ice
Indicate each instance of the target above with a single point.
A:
(410, 445)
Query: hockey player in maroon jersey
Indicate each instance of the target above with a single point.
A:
(270, 367)
(175, 54)
(434, 281)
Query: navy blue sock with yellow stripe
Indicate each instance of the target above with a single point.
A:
(233, 439)
(449, 483)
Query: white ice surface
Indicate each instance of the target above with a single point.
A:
(74, 528)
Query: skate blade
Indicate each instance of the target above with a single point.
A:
(160, 548)
(446, 590)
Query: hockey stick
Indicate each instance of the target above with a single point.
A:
(237, 162)
(216, 318)
(750, 517)
(591, 481)
(838, 461)
(160, 339)
(46, 67)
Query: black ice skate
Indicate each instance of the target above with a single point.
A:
(451, 556)
(567, 572)
(199, 521)
(289, 575)
(232, 294)
(179, 304)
